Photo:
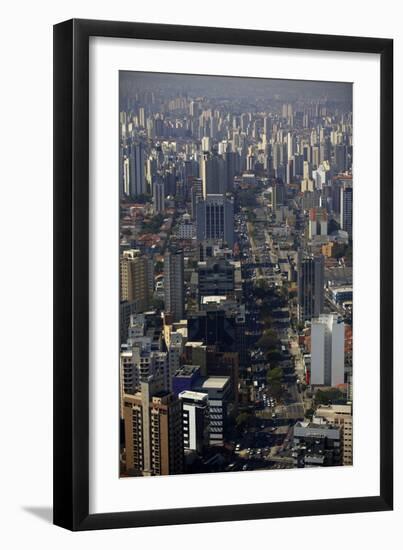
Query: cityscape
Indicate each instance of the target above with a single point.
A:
(235, 262)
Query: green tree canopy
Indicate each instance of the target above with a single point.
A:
(268, 340)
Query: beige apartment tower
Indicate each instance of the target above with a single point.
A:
(153, 432)
(340, 415)
(135, 279)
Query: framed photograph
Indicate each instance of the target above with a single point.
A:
(223, 303)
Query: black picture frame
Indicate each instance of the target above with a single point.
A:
(71, 274)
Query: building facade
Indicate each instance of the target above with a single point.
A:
(327, 351)
(174, 283)
(310, 286)
(215, 219)
(153, 432)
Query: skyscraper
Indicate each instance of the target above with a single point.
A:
(159, 196)
(218, 390)
(174, 283)
(310, 286)
(195, 413)
(327, 351)
(135, 279)
(213, 174)
(215, 219)
(346, 210)
(153, 432)
(137, 181)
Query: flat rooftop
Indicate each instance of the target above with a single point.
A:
(194, 395)
(217, 382)
(186, 371)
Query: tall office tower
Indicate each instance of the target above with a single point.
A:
(196, 195)
(317, 223)
(286, 110)
(126, 177)
(298, 165)
(121, 173)
(153, 431)
(190, 172)
(170, 181)
(267, 127)
(159, 126)
(290, 145)
(142, 117)
(250, 160)
(137, 183)
(310, 286)
(174, 283)
(218, 389)
(135, 280)
(231, 160)
(340, 158)
(206, 144)
(278, 195)
(175, 351)
(194, 108)
(315, 156)
(307, 170)
(307, 152)
(276, 153)
(215, 219)
(245, 119)
(325, 150)
(215, 278)
(150, 128)
(195, 419)
(327, 351)
(159, 195)
(151, 170)
(346, 210)
(213, 174)
(289, 170)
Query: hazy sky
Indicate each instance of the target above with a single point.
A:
(234, 87)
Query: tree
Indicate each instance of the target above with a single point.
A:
(274, 377)
(326, 397)
(243, 420)
(153, 226)
(247, 198)
(273, 356)
(268, 340)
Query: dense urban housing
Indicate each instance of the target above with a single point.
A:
(236, 297)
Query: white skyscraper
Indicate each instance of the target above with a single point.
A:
(195, 411)
(290, 145)
(327, 351)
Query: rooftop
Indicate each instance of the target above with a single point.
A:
(216, 382)
(193, 395)
(187, 371)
